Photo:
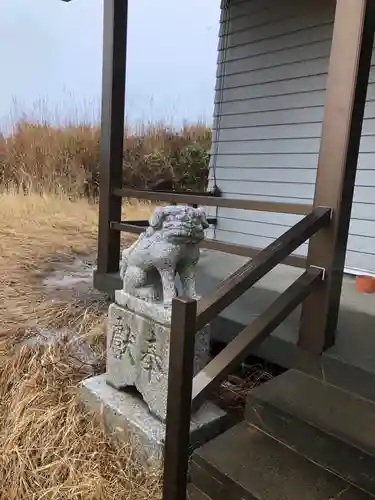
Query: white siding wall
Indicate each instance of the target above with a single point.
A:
(271, 79)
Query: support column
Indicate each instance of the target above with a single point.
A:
(112, 132)
(348, 75)
(180, 381)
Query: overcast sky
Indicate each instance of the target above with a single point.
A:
(51, 57)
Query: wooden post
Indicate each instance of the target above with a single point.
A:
(180, 381)
(112, 132)
(348, 76)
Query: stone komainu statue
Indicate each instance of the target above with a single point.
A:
(169, 246)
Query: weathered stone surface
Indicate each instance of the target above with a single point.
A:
(152, 310)
(138, 355)
(169, 246)
(128, 417)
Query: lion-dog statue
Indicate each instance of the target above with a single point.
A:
(169, 246)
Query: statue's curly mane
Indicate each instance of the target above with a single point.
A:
(168, 246)
(182, 234)
(179, 224)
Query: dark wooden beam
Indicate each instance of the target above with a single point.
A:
(138, 227)
(112, 131)
(210, 306)
(205, 199)
(250, 252)
(180, 379)
(241, 346)
(348, 76)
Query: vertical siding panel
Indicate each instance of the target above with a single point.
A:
(270, 90)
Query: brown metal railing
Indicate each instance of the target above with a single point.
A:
(110, 223)
(251, 272)
(251, 336)
(177, 434)
(207, 200)
(138, 227)
(186, 392)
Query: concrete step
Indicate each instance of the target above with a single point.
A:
(348, 462)
(194, 493)
(245, 463)
(336, 411)
(335, 372)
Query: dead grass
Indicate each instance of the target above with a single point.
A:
(48, 448)
(41, 157)
(234, 391)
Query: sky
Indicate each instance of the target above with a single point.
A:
(51, 59)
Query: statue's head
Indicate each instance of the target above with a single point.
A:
(180, 223)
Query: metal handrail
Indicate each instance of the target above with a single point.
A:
(205, 199)
(188, 316)
(252, 335)
(138, 227)
(180, 380)
(251, 272)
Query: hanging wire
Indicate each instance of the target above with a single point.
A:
(223, 46)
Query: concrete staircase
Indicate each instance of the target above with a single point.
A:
(302, 439)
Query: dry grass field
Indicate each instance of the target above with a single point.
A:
(49, 449)
(52, 333)
(40, 157)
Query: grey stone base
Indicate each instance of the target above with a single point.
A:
(152, 310)
(138, 351)
(128, 418)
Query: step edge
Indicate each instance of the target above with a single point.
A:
(198, 492)
(314, 462)
(223, 479)
(259, 388)
(208, 467)
(327, 430)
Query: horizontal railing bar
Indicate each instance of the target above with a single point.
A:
(213, 201)
(139, 223)
(247, 275)
(254, 334)
(145, 223)
(128, 227)
(137, 227)
(119, 191)
(250, 252)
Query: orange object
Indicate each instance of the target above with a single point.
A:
(365, 284)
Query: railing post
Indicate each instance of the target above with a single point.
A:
(348, 76)
(180, 380)
(112, 132)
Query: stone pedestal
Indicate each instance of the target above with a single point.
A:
(138, 349)
(127, 418)
(138, 336)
